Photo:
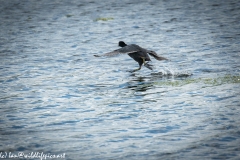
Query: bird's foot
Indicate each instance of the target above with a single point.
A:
(148, 66)
(134, 70)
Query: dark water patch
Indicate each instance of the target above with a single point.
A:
(68, 96)
(163, 130)
(18, 127)
(224, 98)
(63, 123)
(89, 110)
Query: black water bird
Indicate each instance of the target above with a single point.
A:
(137, 53)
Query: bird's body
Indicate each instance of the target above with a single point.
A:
(137, 56)
(137, 53)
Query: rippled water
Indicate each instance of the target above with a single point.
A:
(56, 97)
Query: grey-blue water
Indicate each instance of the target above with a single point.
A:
(56, 97)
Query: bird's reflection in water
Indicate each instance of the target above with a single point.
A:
(143, 83)
(139, 84)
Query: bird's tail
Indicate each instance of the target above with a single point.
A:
(156, 56)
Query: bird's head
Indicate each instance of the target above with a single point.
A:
(121, 44)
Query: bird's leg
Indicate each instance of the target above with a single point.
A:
(137, 69)
(146, 64)
(140, 65)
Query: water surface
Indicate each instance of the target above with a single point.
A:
(56, 97)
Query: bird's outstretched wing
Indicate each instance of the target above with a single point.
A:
(124, 50)
(156, 56)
